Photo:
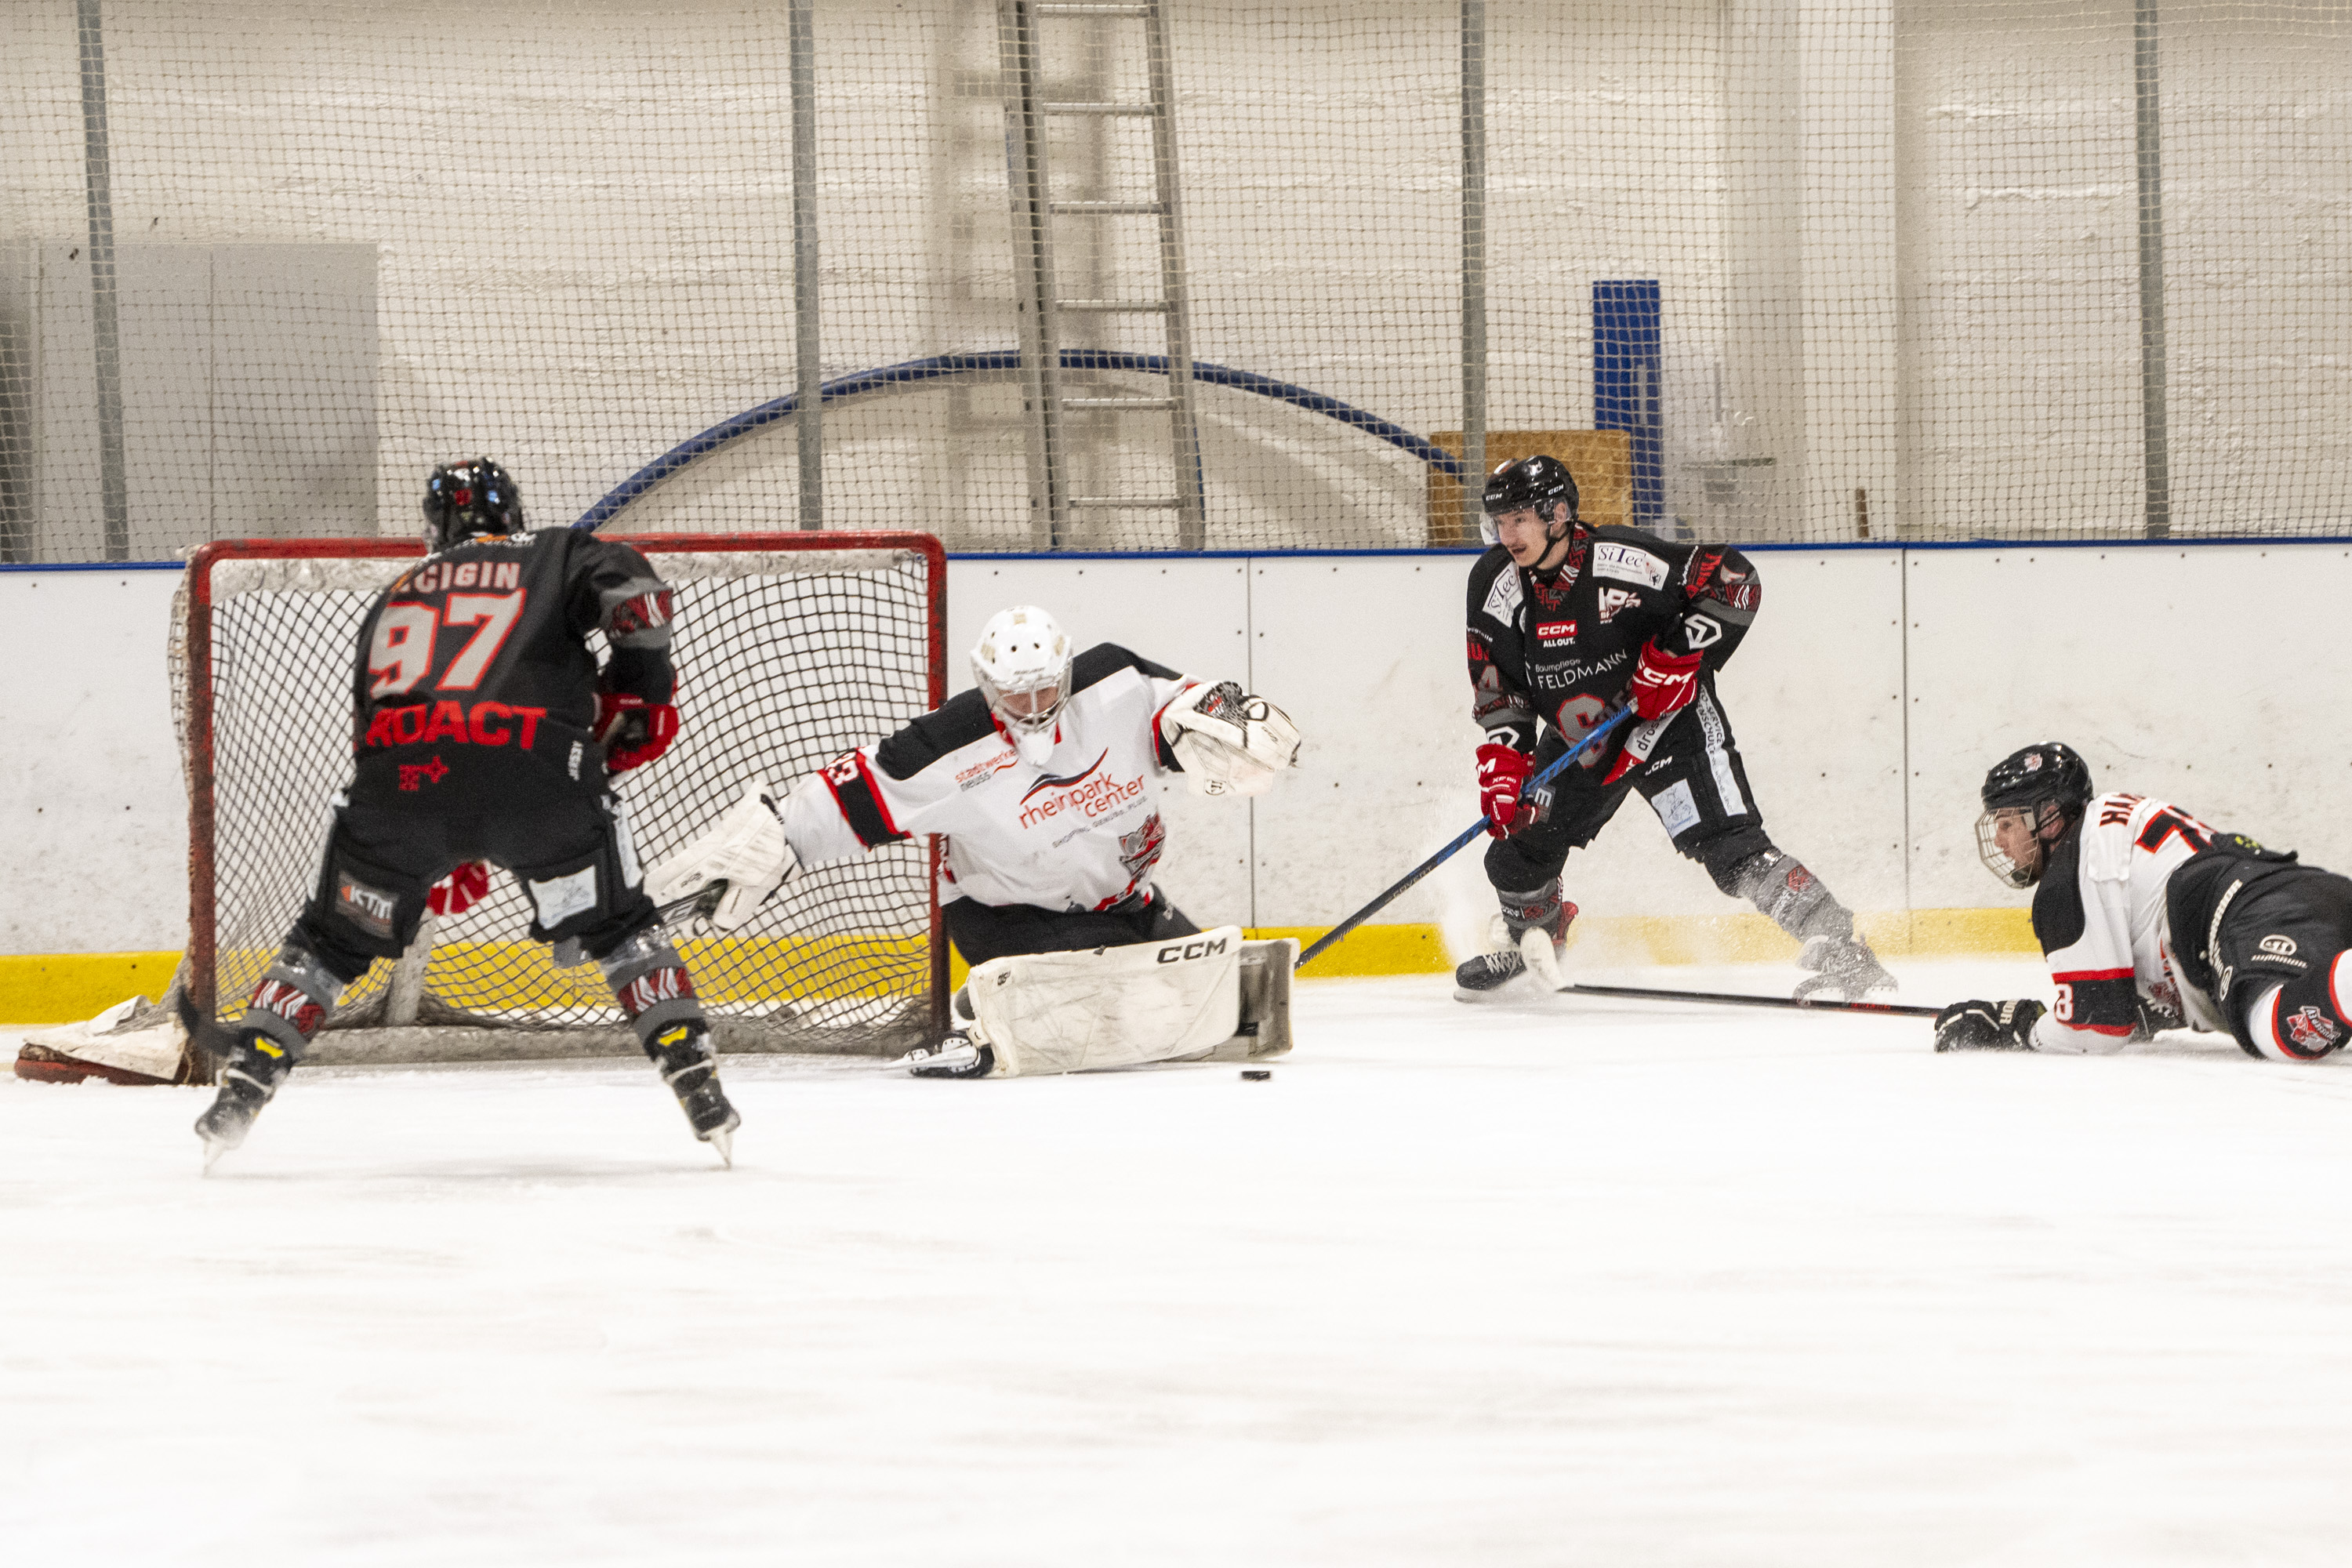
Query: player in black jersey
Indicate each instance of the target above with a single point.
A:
(2151, 919)
(484, 732)
(1567, 621)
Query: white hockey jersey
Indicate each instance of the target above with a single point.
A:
(2099, 914)
(1081, 832)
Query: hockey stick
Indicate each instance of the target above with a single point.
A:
(1398, 888)
(1732, 999)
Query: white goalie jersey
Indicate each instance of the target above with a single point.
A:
(1080, 831)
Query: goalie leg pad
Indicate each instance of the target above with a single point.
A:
(1264, 1026)
(1111, 1006)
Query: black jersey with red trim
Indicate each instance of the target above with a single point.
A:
(1082, 830)
(1559, 647)
(485, 644)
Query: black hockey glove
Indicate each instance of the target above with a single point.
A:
(1988, 1026)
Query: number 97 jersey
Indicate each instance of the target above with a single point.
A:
(2099, 915)
(483, 646)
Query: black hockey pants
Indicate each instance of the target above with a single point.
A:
(414, 813)
(982, 932)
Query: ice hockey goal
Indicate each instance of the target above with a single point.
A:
(791, 648)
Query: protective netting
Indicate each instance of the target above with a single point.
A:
(1981, 267)
(785, 660)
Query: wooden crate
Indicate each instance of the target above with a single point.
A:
(1601, 461)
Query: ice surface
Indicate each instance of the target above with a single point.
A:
(1573, 1282)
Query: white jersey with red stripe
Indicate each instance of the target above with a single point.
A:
(2099, 913)
(1080, 831)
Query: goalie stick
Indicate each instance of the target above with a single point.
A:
(1734, 999)
(1398, 888)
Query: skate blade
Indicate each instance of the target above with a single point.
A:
(937, 1064)
(1542, 959)
(723, 1140)
(213, 1149)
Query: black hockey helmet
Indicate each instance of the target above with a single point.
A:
(471, 496)
(1541, 481)
(2051, 784)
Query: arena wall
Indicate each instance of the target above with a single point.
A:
(1877, 686)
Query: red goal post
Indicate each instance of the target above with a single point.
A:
(791, 649)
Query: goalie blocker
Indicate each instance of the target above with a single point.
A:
(1208, 996)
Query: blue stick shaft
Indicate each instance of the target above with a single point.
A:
(1399, 888)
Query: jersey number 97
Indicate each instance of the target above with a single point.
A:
(400, 653)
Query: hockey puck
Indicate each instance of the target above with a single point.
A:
(1256, 1075)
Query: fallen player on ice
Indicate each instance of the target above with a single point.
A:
(2152, 920)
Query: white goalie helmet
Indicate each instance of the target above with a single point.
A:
(1022, 666)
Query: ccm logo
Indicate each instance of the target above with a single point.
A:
(1176, 952)
(1556, 631)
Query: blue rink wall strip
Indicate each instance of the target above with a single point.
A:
(2266, 541)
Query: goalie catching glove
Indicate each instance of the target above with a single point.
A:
(745, 849)
(1229, 742)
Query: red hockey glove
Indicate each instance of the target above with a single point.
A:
(456, 892)
(1502, 773)
(1662, 682)
(633, 731)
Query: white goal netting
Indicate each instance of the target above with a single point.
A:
(1915, 271)
(789, 654)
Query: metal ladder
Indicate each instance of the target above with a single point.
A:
(1039, 304)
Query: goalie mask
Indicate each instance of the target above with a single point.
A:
(1022, 666)
(2030, 797)
(469, 497)
(1542, 482)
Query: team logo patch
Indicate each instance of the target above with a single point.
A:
(1556, 631)
(1615, 599)
(414, 776)
(1139, 851)
(2312, 1030)
(2033, 763)
(2278, 946)
(1628, 564)
(370, 909)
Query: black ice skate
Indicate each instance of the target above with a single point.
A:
(1843, 964)
(255, 1070)
(957, 1054)
(1474, 978)
(689, 1066)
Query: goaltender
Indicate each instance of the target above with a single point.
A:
(1044, 784)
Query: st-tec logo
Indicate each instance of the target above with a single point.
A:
(1556, 631)
(1177, 952)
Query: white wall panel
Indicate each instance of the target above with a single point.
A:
(1365, 652)
(2201, 675)
(91, 807)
